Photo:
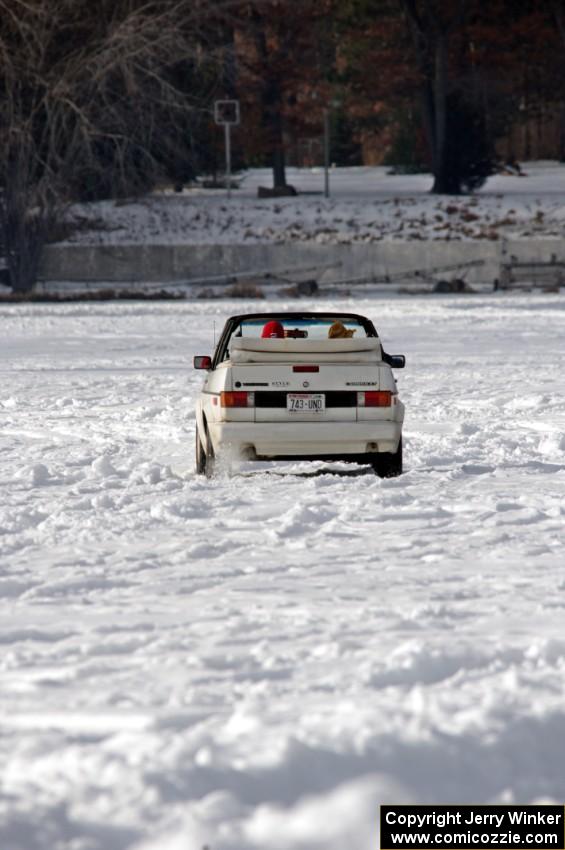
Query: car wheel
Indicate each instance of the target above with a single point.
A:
(200, 455)
(388, 464)
(209, 456)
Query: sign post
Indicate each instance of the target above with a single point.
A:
(226, 112)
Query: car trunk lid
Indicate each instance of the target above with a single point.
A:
(284, 393)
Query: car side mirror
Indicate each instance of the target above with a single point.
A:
(203, 362)
(397, 361)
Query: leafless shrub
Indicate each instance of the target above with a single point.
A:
(88, 93)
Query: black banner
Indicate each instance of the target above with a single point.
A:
(472, 827)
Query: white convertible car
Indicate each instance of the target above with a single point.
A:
(300, 386)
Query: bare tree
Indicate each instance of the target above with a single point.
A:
(285, 59)
(85, 90)
(432, 24)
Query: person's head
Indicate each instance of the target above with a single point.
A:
(272, 330)
(339, 331)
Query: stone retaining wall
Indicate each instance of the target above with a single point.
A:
(176, 263)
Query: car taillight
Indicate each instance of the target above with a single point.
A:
(375, 398)
(305, 368)
(237, 399)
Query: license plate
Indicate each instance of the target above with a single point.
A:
(305, 402)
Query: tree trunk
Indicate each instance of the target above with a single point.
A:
(279, 169)
(271, 104)
(273, 114)
(431, 43)
(560, 22)
(25, 223)
(562, 132)
(24, 246)
(428, 117)
(443, 180)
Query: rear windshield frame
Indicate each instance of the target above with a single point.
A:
(233, 323)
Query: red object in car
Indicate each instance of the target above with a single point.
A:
(272, 330)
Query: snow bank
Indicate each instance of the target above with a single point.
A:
(367, 205)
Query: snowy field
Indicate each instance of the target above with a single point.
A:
(256, 662)
(366, 205)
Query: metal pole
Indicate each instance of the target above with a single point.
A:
(228, 157)
(327, 153)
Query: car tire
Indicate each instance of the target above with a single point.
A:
(200, 455)
(209, 456)
(388, 464)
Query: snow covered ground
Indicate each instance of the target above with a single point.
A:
(366, 205)
(254, 663)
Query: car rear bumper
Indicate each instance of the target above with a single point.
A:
(305, 439)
